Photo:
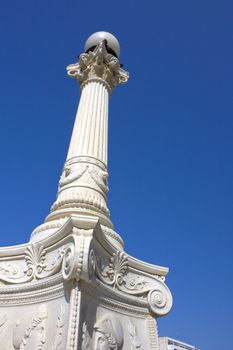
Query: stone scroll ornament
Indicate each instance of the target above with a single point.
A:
(117, 274)
(37, 266)
(72, 264)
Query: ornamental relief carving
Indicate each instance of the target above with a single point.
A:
(84, 173)
(34, 334)
(108, 333)
(38, 266)
(98, 64)
(35, 331)
(83, 185)
(118, 274)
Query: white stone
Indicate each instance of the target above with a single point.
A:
(73, 287)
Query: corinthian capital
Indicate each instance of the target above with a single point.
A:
(98, 65)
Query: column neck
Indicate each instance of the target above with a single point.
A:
(83, 185)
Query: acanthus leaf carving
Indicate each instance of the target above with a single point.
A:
(98, 64)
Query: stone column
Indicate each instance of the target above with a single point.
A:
(83, 185)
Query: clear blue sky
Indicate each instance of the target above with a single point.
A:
(170, 139)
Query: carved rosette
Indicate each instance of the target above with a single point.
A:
(98, 65)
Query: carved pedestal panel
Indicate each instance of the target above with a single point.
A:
(75, 290)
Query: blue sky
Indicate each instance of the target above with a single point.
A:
(170, 139)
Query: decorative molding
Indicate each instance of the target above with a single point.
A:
(86, 159)
(81, 198)
(98, 65)
(153, 333)
(112, 234)
(32, 297)
(116, 305)
(37, 266)
(73, 330)
(56, 224)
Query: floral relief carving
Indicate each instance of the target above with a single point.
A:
(116, 274)
(37, 266)
(116, 270)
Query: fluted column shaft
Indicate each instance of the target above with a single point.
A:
(83, 185)
(90, 132)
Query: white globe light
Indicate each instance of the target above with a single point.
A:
(97, 37)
